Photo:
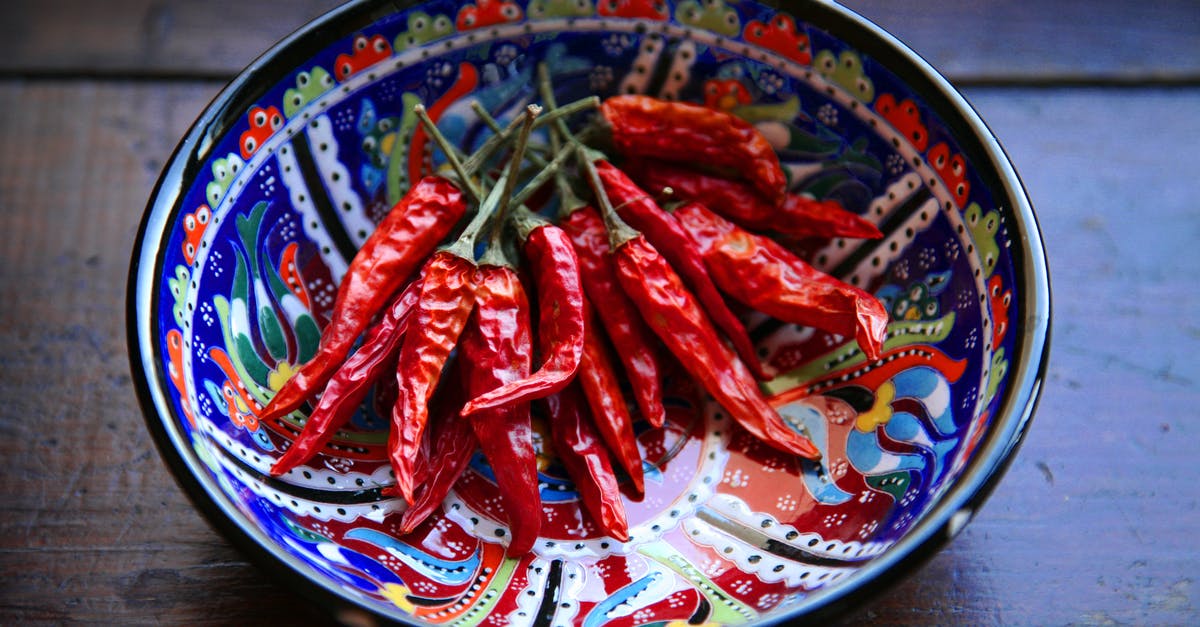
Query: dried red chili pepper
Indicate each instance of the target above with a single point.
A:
(676, 316)
(602, 389)
(634, 342)
(453, 443)
(496, 348)
(581, 452)
(555, 269)
(447, 297)
(640, 211)
(350, 383)
(404, 238)
(764, 275)
(445, 305)
(386, 388)
(798, 216)
(678, 131)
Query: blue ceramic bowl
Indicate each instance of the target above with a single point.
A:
(270, 193)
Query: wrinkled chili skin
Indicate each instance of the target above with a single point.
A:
(666, 235)
(676, 317)
(635, 344)
(386, 389)
(797, 216)
(496, 349)
(453, 443)
(602, 388)
(401, 242)
(447, 297)
(349, 384)
(764, 275)
(555, 269)
(689, 133)
(580, 450)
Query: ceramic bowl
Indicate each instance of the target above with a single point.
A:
(273, 189)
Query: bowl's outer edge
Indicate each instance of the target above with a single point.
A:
(938, 525)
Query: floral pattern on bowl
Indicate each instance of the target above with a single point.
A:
(258, 215)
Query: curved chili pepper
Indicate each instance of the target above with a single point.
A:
(602, 389)
(764, 275)
(634, 342)
(679, 131)
(453, 443)
(350, 383)
(583, 455)
(447, 297)
(798, 216)
(386, 388)
(640, 211)
(676, 317)
(404, 238)
(555, 269)
(496, 347)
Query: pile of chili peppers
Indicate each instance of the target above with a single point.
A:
(450, 345)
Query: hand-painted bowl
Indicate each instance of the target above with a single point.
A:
(266, 199)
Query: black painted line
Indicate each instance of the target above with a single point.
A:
(320, 197)
(768, 544)
(545, 613)
(890, 223)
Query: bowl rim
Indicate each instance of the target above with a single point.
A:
(933, 530)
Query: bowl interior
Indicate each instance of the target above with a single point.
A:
(265, 203)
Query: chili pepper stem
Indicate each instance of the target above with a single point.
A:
(499, 139)
(586, 155)
(451, 155)
(553, 168)
(496, 127)
(526, 222)
(528, 219)
(464, 246)
(495, 255)
(568, 200)
(546, 89)
(531, 113)
(618, 231)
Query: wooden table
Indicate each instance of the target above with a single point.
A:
(1097, 103)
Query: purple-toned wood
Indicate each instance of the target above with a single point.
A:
(1096, 521)
(979, 40)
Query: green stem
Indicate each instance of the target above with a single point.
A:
(494, 124)
(464, 246)
(494, 255)
(514, 167)
(568, 200)
(464, 174)
(525, 222)
(494, 142)
(618, 231)
(548, 168)
(521, 196)
(551, 169)
(546, 89)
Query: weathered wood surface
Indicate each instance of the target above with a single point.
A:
(976, 40)
(1096, 520)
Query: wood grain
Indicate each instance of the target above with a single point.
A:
(92, 527)
(970, 41)
(1095, 522)
(1067, 41)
